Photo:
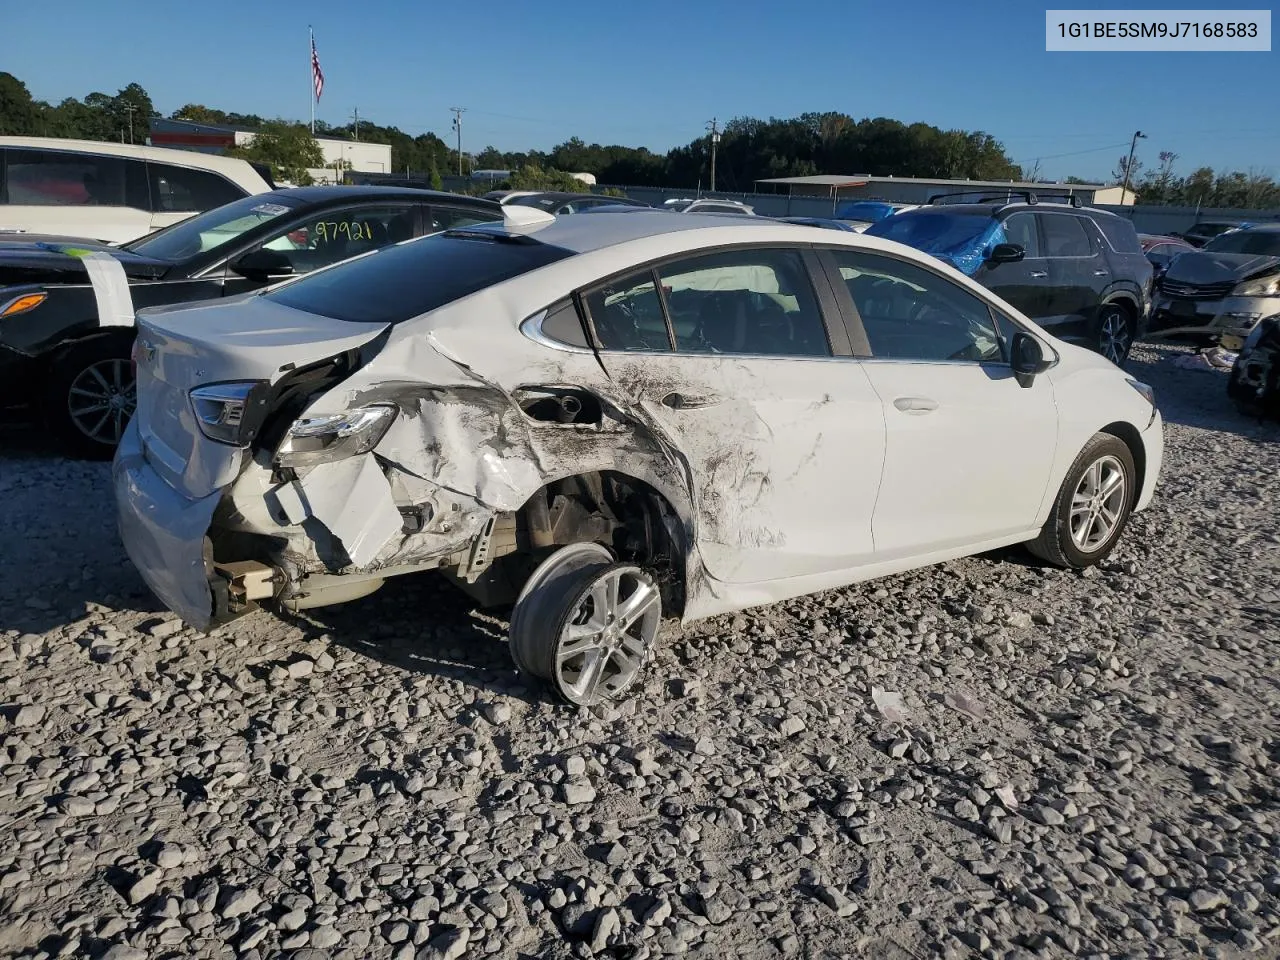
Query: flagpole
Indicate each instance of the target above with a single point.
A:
(311, 77)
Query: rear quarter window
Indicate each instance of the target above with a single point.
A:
(404, 281)
(1120, 233)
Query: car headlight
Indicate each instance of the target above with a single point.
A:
(224, 411)
(335, 436)
(1147, 391)
(1258, 287)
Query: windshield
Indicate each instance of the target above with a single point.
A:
(936, 233)
(678, 206)
(1263, 242)
(207, 231)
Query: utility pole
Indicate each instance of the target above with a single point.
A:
(355, 115)
(129, 108)
(457, 125)
(715, 140)
(1128, 167)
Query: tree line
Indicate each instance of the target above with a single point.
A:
(749, 150)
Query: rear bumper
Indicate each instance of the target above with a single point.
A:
(163, 532)
(1153, 445)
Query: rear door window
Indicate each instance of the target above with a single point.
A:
(58, 178)
(338, 235)
(183, 190)
(746, 302)
(1064, 235)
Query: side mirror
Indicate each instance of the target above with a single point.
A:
(263, 266)
(1006, 253)
(1027, 358)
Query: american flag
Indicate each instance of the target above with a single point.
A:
(317, 75)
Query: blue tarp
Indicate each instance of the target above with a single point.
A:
(962, 240)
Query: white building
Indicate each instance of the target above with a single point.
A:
(339, 154)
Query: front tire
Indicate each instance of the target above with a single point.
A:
(91, 395)
(1092, 506)
(1116, 330)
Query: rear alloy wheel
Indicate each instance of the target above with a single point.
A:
(92, 395)
(585, 624)
(1092, 506)
(1115, 333)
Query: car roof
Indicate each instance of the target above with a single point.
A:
(180, 158)
(609, 228)
(320, 194)
(1261, 228)
(995, 207)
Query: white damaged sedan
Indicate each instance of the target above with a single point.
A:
(610, 420)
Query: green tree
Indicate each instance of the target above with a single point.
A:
(198, 113)
(288, 147)
(19, 114)
(534, 177)
(436, 182)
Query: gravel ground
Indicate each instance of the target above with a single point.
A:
(1080, 764)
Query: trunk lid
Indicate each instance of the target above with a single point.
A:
(249, 338)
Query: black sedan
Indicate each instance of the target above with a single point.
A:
(67, 306)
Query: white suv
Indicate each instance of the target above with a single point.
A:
(113, 192)
(710, 205)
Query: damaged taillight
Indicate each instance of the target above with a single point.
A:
(336, 436)
(225, 412)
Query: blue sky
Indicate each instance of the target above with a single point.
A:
(652, 74)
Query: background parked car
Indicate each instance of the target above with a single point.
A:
(1222, 290)
(709, 205)
(1161, 250)
(823, 223)
(861, 214)
(113, 192)
(66, 327)
(1204, 231)
(1078, 272)
(558, 204)
(1254, 386)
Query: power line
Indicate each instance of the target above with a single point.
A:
(1076, 153)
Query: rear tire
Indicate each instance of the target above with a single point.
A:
(586, 625)
(1091, 508)
(91, 395)
(1116, 331)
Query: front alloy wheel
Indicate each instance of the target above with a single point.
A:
(1092, 506)
(101, 400)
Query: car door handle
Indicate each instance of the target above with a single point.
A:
(680, 401)
(916, 405)
(1100, 273)
(1039, 274)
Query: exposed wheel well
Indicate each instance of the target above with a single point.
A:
(623, 513)
(1124, 302)
(1128, 433)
